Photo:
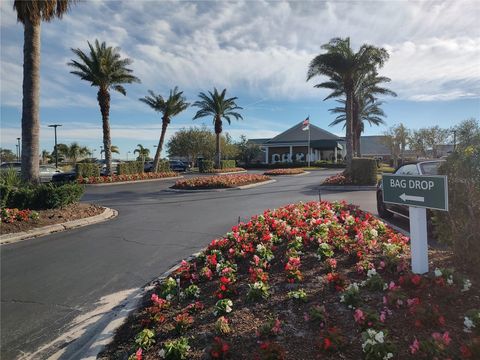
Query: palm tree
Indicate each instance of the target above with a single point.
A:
(169, 108)
(344, 66)
(142, 152)
(113, 149)
(215, 104)
(31, 13)
(74, 152)
(104, 68)
(46, 156)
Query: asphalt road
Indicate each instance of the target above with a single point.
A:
(50, 283)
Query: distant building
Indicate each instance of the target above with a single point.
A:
(292, 146)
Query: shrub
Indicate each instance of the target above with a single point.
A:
(87, 170)
(227, 164)
(44, 196)
(10, 177)
(131, 167)
(164, 166)
(459, 226)
(206, 166)
(364, 171)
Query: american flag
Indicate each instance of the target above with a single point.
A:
(306, 124)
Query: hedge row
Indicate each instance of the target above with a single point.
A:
(87, 169)
(131, 167)
(206, 166)
(38, 197)
(164, 166)
(228, 164)
(322, 163)
(364, 171)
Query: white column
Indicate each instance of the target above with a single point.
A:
(335, 159)
(266, 155)
(291, 153)
(418, 239)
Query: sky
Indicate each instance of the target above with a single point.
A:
(258, 50)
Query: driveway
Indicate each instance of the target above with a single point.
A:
(60, 284)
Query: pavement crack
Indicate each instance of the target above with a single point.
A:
(17, 301)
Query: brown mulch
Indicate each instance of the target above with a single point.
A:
(53, 216)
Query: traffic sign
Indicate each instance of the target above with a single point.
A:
(426, 191)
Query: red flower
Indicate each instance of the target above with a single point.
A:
(327, 343)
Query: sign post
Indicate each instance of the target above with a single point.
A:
(418, 193)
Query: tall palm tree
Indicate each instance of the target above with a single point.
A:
(46, 156)
(170, 107)
(215, 104)
(31, 13)
(342, 65)
(113, 149)
(143, 152)
(104, 68)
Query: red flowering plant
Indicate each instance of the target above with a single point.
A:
(336, 281)
(219, 349)
(271, 327)
(339, 179)
(125, 177)
(182, 322)
(9, 216)
(331, 339)
(220, 181)
(270, 350)
(275, 172)
(434, 348)
(425, 314)
(292, 268)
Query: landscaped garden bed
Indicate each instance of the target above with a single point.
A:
(226, 170)
(125, 177)
(276, 172)
(306, 281)
(219, 181)
(14, 220)
(338, 179)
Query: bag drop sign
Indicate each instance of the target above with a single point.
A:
(420, 191)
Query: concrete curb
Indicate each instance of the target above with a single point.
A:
(227, 173)
(117, 317)
(49, 229)
(135, 181)
(347, 187)
(301, 174)
(223, 189)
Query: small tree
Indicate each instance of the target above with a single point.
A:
(192, 143)
(247, 152)
(7, 155)
(435, 136)
(396, 138)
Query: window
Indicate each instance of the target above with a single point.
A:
(430, 168)
(409, 169)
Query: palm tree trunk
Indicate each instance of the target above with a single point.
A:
(31, 102)
(103, 97)
(165, 122)
(218, 150)
(349, 130)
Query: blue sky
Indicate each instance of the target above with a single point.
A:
(258, 50)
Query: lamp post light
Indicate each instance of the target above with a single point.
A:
(19, 149)
(55, 148)
(128, 152)
(18, 152)
(101, 152)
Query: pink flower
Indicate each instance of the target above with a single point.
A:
(383, 316)
(138, 354)
(415, 346)
(359, 316)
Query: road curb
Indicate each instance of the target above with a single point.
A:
(347, 187)
(135, 181)
(301, 174)
(49, 229)
(219, 190)
(117, 317)
(226, 173)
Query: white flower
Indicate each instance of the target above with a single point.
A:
(450, 280)
(379, 337)
(388, 356)
(374, 233)
(161, 353)
(467, 284)
(438, 272)
(371, 273)
(342, 298)
(169, 297)
(468, 323)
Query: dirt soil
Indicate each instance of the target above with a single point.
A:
(53, 216)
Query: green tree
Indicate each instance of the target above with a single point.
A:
(105, 69)
(192, 143)
(396, 138)
(247, 152)
(143, 152)
(229, 148)
(46, 157)
(417, 142)
(344, 66)
(73, 152)
(221, 108)
(467, 133)
(31, 13)
(7, 155)
(170, 107)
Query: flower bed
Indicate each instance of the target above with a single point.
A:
(339, 179)
(10, 216)
(226, 170)
(219, 182)
(125, 177)
(275, 172)
(306, 281)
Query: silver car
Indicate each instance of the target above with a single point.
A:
(46, 172)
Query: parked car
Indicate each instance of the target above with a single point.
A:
(47, 172)
(387, 211)
(147, 167)
(103, 166)
(69, 176)
(177, 165)
(14, 164)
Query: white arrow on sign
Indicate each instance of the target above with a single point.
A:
(406, 197)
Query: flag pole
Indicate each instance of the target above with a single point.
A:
(308, 156)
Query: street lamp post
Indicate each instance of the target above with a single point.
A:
(101, 152)
(18, 152)
(55, 148)
(19, 149)
(128, 152)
